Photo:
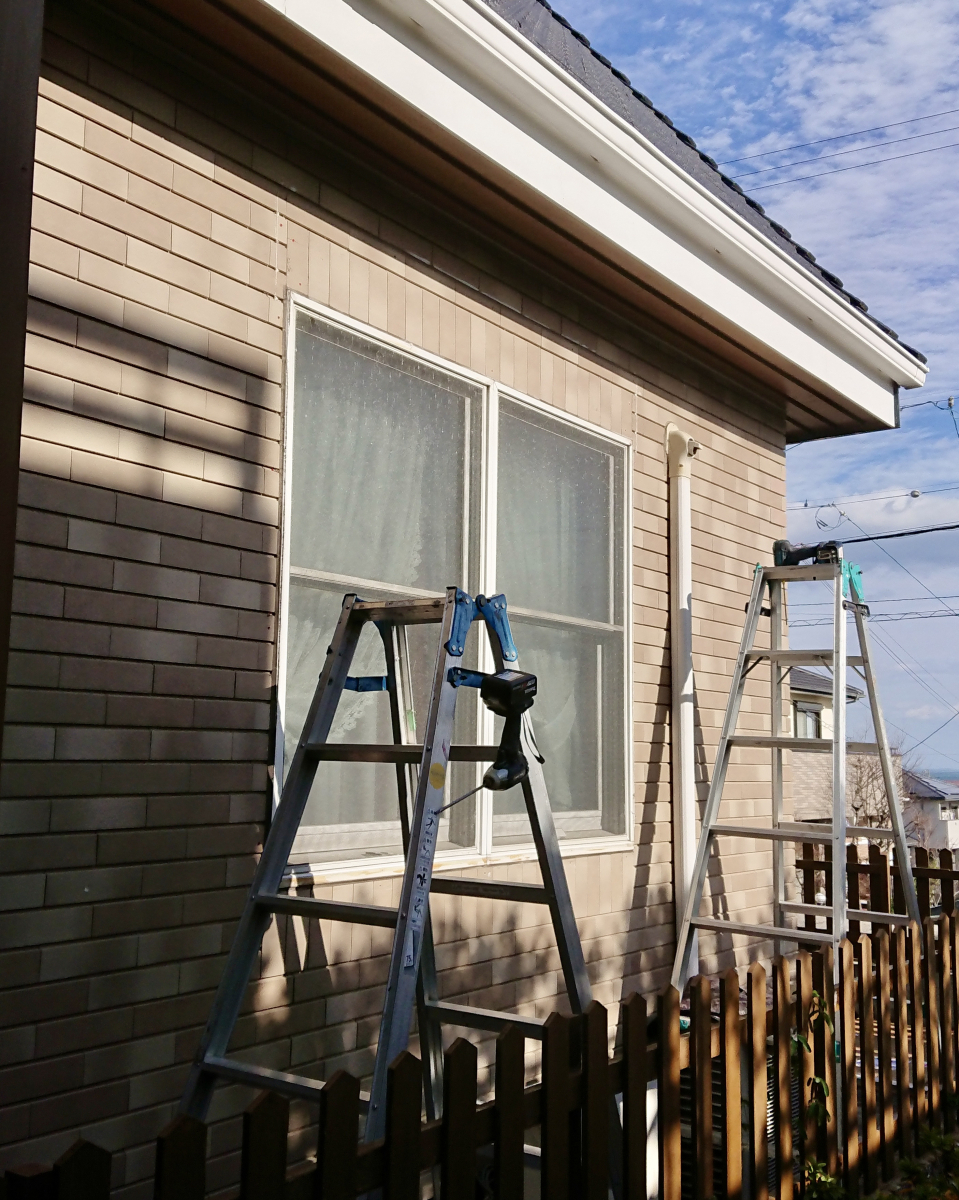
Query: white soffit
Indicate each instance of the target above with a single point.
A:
(472, 74)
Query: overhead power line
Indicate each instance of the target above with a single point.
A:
(812, 506)
(855, 167)
(899, 533)
(852, 150)
(882, 618)
(839, 136)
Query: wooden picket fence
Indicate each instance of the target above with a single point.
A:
(887, 1053)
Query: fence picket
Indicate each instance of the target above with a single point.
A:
(847, 1046)
(339, 1122)
(634, 1098)
(403, 1107)
(825, 1057)
(83, 1172)
(555, 1169)
(730, 1063)
(596, 1102)
(947, 1019)
(756, 1032)
(670, 1135)
(459, 1122)
(878, 879)
(867, 1065)
(508, 1147)
(931, 996)
(29, 1181)
(917, 1029)
(807, 1127)
(905, 1122)
(884, 1094)
(948, 884)
(701, 1071)
(852, 891)
(266, 1125)
(181, 1161)
(922, 880)
(782, 1025)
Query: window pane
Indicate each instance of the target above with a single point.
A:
(578, 721)
(559, 561)
(380, 491)
(556, 517)
(380, 450)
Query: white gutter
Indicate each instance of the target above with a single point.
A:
(476, 78)
(680, 451)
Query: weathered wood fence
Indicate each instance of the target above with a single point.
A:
(884, 1043)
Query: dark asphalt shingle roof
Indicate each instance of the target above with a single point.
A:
(554, 35)
(801, 680)
(920, 787)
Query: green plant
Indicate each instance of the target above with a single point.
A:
(819, 1018)
(819, 1184)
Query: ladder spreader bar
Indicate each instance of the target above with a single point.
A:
(855, 914)
(782, 933)
(300, 1086)
(484, 1018)
(491, 889)
(330, 910)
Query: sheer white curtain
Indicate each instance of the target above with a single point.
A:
(381, 477)
(559, 561)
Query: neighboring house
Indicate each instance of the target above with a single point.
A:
(931, 811)
(811, 716)
(379, 297)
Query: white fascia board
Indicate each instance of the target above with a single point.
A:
(468, 71)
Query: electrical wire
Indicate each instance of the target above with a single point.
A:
(901, 566)
(879, 618)
(860, 499)
(839, 136)
(895, 533)
(854, 167)
(853, 150)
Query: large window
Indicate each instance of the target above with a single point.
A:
(403, 477)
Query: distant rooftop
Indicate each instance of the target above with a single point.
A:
(921, 787)
(801, 680)
(553, 34)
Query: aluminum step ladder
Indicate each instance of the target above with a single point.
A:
(829, 566)
(411, 984)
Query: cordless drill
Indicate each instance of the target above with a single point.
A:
(508, 694)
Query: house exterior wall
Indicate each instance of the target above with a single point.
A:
(172, 216)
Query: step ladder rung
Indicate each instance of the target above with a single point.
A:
(852, 914)
(792, 832)
(765, 742)
(780, 933)
(402, 612)
(492, 889)
(299, 1086)
(800, 658)
(330, 910)
(483, 1018)
(870, 833)
(384, 752)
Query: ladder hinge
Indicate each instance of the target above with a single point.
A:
(463, 617)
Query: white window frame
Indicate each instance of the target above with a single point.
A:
(483, 852)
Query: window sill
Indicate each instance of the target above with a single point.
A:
(388, 867)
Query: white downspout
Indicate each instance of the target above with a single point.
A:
(680, 451)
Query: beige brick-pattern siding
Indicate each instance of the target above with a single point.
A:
(170, 221)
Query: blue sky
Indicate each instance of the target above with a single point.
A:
(747, 77)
